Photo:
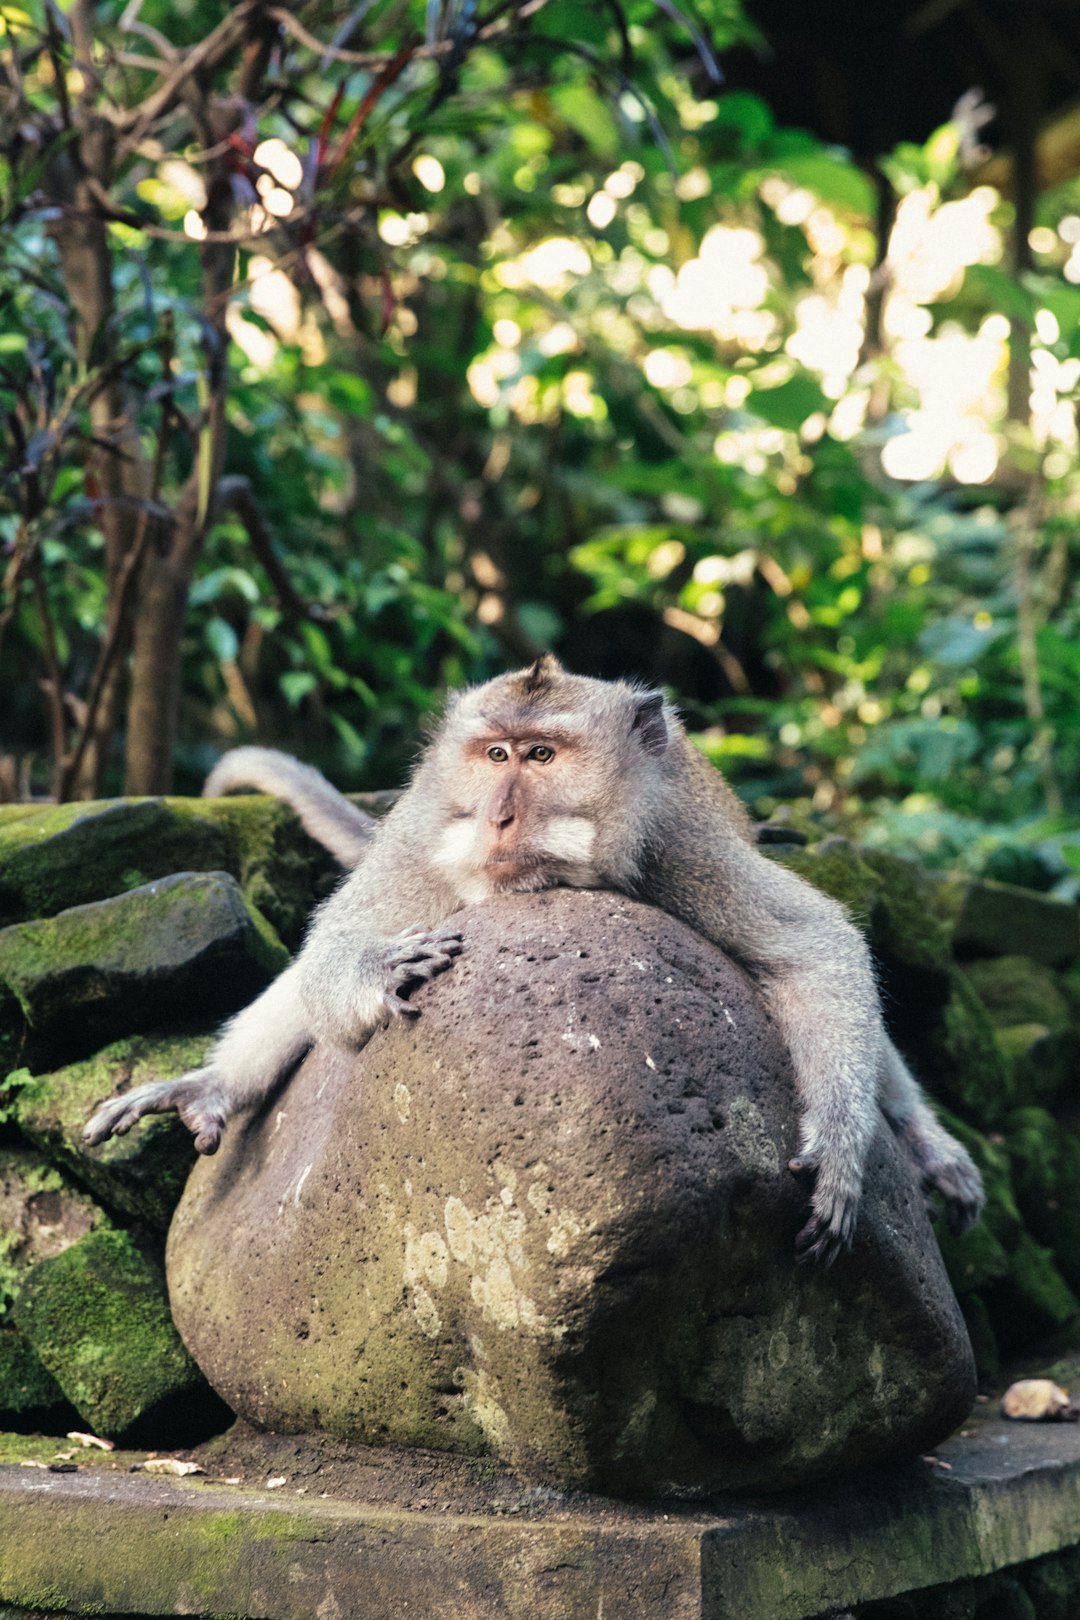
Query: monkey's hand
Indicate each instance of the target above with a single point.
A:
(412, 960)
(351, 987)
(198, 1097)
(833, 1207)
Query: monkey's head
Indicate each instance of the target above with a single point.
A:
(546, 779)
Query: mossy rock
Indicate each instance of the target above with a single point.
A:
(185, 947)
(980, 1257)
(98, 1317)
(837, 869)
(42, 1213)
(141, 1174)
(282, 871)
(59, 856)
(996, 919)
(907, 931)
(1016, 990)
(1045, 1160)
(30, 1397)
(1021, 1291)
(53, 857)
(953, 1051)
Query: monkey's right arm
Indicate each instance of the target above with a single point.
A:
(350, 977)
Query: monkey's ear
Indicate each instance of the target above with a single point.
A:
(650, 722)
(541, 673)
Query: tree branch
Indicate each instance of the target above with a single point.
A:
(235, 494)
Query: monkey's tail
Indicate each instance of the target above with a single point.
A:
(324, 812)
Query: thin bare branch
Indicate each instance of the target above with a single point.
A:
(235, 494)
(207, 54)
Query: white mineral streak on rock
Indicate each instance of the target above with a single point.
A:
(746, 1132)
(491, 1246)
(402, 1102)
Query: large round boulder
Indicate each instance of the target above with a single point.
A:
(552, 1220)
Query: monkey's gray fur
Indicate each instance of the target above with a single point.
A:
(540, 779)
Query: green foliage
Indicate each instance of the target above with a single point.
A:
(545, 371)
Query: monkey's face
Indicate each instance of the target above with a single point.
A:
(518, 823)
(543, 776)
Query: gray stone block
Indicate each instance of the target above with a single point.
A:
(552, 1221)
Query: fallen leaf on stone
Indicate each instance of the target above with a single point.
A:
(28, 1463)
(63, 1468)
(86, 1440)
(171, 1465)
(1038, 1400)
(938, 1462)
(278, 1479)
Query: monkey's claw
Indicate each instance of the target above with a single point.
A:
(829, 1232)
(421, 954)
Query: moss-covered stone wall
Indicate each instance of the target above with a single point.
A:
(129, 929)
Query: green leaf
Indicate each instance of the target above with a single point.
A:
(296, 686)
(790, 403)
(589, 116)
(354, 743)
(838, 182)
(222, 638)
(998, 290)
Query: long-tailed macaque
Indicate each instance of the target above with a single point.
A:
(539, 779)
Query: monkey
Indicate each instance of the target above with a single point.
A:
(539, 779)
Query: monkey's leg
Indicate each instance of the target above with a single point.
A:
(943, 1165)
(253, 1052)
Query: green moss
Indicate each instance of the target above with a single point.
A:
(27, 1389)
(1016, 990)
(981, 1256)
(41, 1213)
(282, 871)
(1045, 1158)
(98, 1317)
(184, 946)
(68, 855)
(837, 870)
(907, 931)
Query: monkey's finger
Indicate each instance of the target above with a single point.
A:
(804, 1164)
(398, 1007)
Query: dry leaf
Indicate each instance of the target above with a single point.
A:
(171, 1465)
(278, 1479)
(87, 1440)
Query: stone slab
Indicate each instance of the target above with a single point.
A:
(133, 1544)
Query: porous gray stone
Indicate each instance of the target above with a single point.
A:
(552, 1220)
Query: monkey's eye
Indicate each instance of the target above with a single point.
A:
(498, 754)
(541, 753)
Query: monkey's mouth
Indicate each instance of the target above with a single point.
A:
(519, 870)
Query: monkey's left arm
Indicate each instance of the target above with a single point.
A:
(815, 975)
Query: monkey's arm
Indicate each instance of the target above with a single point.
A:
(815, 975)
(324, 812)
(349, 977)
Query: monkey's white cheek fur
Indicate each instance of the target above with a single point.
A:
(457, 855)
(569, 838)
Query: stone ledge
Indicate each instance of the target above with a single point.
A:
(108, 1541)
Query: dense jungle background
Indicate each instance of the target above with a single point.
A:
(348, 353)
